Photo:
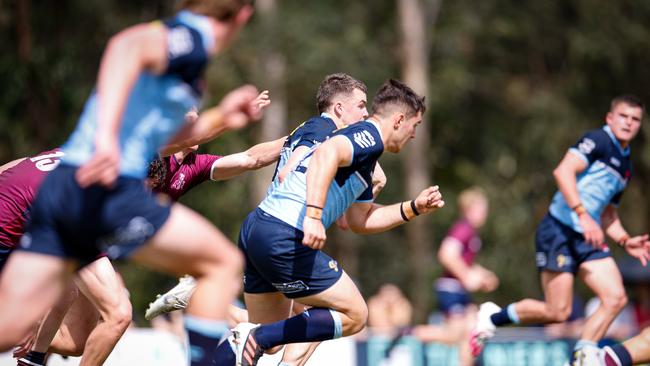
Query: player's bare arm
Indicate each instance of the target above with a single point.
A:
(637, 246)
(565, 176)
(370, 218)
(10, 164)
(254, 158)
(332, 154)
(450, 256)
(296, 155)
(128, 53)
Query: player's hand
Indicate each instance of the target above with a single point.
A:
(236, 107)
(490, 281)
(257, 106)
(103, 168)
(639, 248)
(429, 200)
(592, 232)
(314, 233)
(472, 281)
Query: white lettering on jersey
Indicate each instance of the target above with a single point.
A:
(47, 162)
(364, 139)
(615, 162)
(586, 146)
(179, 183)
(179, 42)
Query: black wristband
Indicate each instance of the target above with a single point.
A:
(401, 211)
(314, 206)
(415, 210)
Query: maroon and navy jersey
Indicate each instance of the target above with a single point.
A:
(183, 176)
(465, 234)
(18, 187)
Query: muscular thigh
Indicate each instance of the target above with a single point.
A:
(343, 296)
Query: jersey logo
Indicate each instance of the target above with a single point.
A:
(364, 139)
(586, 146)
(615, 162)
(178, 184)
(179, 42)
(47, 162)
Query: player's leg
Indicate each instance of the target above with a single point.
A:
(558, 294)
(188, 243)
(297, 354)
(101, 285)
(337, 311)
(80, 320)
(604, 279)
(634, 351)
(31, 283)
(33, 352)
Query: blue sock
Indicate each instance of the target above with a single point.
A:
(204, 336)
(316, 324)
(620, 352)
(224, 355)
(506, 316)
(35, 358)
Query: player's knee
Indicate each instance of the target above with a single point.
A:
(560, 314)
(359, 317)
(615, 302)
(121, 316)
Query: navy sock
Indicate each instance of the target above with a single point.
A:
(224, 355)
(35, 358)
(624, 358)
(313, 325)
(204, 336)
(502, 317)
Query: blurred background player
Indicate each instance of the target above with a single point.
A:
(462, 276)
(570, 241)
(95, 201)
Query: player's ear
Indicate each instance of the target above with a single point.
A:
(398, 120)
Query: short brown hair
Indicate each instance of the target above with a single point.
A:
(334, 85)
(222, 10)
(629, 99)
(396, 93)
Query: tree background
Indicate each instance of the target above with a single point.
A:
(510, 86)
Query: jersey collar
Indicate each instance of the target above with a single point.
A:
(374, 123)
(624, 152)
(200, 23)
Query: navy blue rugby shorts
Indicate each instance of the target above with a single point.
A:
(561, 249)
(276, 259)
(83, 223)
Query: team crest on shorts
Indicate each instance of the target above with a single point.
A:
(562, 260)
(334, 265)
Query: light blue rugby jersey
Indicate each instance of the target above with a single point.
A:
(157, 104)
(604, 180)
(350, 184)
(310, 133)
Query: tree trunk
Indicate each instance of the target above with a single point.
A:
(415, 67)
(274, 124)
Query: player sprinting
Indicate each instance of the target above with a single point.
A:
(282, 238)
(95, 200)
(341, 100)
(570, 241)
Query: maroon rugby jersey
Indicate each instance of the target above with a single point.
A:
(18, 187)
(467, 236)
(181, 177)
